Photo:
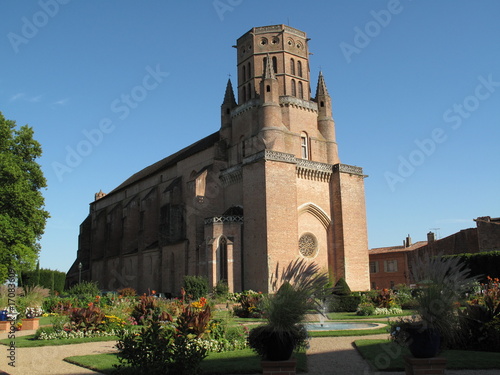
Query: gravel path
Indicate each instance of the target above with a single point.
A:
(326, 355)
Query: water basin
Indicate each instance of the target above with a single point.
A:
(339, 326)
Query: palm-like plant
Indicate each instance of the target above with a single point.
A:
(444, 284)
(293, 292)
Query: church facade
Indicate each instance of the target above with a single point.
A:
(266, 189)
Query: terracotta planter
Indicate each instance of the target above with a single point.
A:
(4, 325)
(30, 324)
(279, 367)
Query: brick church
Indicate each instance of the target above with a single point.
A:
(265, 189)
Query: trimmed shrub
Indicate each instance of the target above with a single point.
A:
(365, 309)
(344, 303)
(341, 288)
(195, 287)
(85, 288)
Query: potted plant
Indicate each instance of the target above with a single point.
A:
(31, 320)
(285, 310)
(443, 283)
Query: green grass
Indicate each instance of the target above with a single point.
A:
(29, 341)
(45, 321)
(235, 362)
(384, 355)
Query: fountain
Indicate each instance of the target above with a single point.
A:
(339, 326)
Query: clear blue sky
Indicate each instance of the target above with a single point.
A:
(415, 88)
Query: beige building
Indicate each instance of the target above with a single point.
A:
(265, 189)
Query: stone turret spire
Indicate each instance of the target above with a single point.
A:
(321, 89)
(229, 98)
(326, 125)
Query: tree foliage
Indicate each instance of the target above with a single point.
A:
(22, 214)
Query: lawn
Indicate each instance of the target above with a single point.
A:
(384, 355)
(235, 362)
(29, 341)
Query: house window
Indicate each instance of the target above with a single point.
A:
(390, 265)
(292, 66)
(373, 267)
(299, 66)
(294, 88)
(244, 74)
(249, 70)
(301, 91)
(275, 64)
(304, 146)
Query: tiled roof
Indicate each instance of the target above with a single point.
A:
(381, 250)
(171, 160)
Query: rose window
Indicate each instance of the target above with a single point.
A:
(308, 245)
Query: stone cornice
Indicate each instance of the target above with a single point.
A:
(351, 169)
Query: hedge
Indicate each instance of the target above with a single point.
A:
(344, 303)
(481, 264)
(50, 279)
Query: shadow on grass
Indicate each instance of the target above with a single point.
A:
(384, 355)
(235, 362)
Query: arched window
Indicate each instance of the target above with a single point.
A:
(264, 63)
(223, 259)
(249, 71)
(301, 90)
(268, 88)
(292, 66)
(244, 73)
(294, 88)
(249, 91)
(275, 64)
(299, 68)
(304, 145)
(244, 94)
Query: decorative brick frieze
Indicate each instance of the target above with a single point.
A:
(287, 101)
(231, 175)
(224, 219)
(313, 170)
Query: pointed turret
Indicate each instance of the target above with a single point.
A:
(229, 98)
(227, 105)
(326, 125)
(321, 90)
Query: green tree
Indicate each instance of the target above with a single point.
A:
(22, 214)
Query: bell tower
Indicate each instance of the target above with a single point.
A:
(288, 52)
